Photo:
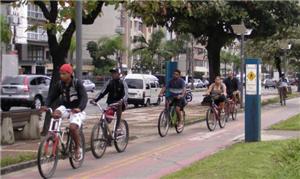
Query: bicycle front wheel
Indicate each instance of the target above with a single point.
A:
(75, 163)
(122, 136)
(211, 121)
(98, 141)
(222, 119)
(234, 113)
(47, 156)
(163, 123)
(179, 128)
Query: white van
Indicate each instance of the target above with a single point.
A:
(142, 89)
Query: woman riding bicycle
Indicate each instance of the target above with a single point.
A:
(218, 90)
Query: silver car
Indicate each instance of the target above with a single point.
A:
(88, 85)
(24, 90)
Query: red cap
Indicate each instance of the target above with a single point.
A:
(66, 68)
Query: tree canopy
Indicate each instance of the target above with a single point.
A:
(210, 21)
(5, 30)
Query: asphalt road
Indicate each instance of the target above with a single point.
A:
(153, 156)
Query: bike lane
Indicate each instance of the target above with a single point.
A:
(155, 157)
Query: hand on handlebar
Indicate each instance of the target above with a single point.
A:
(93, 101)
(43, 109)
(76, 110)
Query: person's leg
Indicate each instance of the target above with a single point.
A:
(119, 115)
(75, 124)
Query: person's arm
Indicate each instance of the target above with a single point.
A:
(209, 89)
(183, 90)
(224, 90)
(53, 94)
(125, 97)
(236, 84)
(163, 90)
(83, 97)
(103, 92)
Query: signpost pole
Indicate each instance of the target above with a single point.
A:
(253, 100)
(170, 67)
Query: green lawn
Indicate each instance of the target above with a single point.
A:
(292, 123)
(277, 100)
(10, 160)
(272, 159)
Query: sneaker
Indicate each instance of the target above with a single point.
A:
(79, 154)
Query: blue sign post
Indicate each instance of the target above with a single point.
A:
(170, 67)
(253, 100)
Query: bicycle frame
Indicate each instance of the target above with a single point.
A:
(55, 130)
(104, 121)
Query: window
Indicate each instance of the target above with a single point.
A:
(34, 12)
(35, 53)
(134, 83)
(152, 84)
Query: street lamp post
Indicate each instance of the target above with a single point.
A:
(78, 40)
(241, 30)
(285, 46)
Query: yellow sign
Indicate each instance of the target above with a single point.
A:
(251, 75)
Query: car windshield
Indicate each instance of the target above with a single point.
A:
(13, 80)
(134, 83)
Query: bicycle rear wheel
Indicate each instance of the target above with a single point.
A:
(122, 136)
(98, 141)
(180, 129)
(47, 156)
(211, 121)
(163, 123)
(72, 157)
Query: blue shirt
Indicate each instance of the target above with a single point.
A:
(176, 87)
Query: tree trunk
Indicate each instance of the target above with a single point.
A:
(278, 65)
(213, 53)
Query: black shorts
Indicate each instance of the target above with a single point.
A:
(177, 102)
(220, 99)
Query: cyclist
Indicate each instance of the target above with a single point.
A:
(72, 96)
(283, 84)
(232, 87)
(117, 91)
(177, 94)
(219, 89)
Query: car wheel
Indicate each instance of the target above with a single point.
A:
(5, 107)
(136, 105)
(37, 103)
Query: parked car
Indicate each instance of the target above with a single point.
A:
(88, 85)
(197, 84)
(269, 83)
(206, 83)
(24, 90)
(142, 89)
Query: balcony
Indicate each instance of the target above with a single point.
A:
(34, 36)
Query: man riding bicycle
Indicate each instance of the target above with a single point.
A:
(177, 94)
(117, 91)
(232, 87)
(283, 85)
(72, 96)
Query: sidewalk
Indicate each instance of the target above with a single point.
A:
(142, 123)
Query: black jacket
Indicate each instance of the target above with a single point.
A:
(231, 85)
(73, 96)
(116, 90)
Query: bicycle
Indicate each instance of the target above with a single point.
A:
(231, 108)
(168, 118)
(213, 115)
(102, 136)
(48, 152)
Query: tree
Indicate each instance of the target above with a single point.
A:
(148, 51)
(57, 13)
(210, 21)
(103, 53)
(227, 58)
(5, 31)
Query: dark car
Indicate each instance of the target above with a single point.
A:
(24, 90)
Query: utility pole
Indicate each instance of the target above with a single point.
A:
(78, 40)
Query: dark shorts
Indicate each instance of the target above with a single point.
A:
(177, 102)
(220, 99)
